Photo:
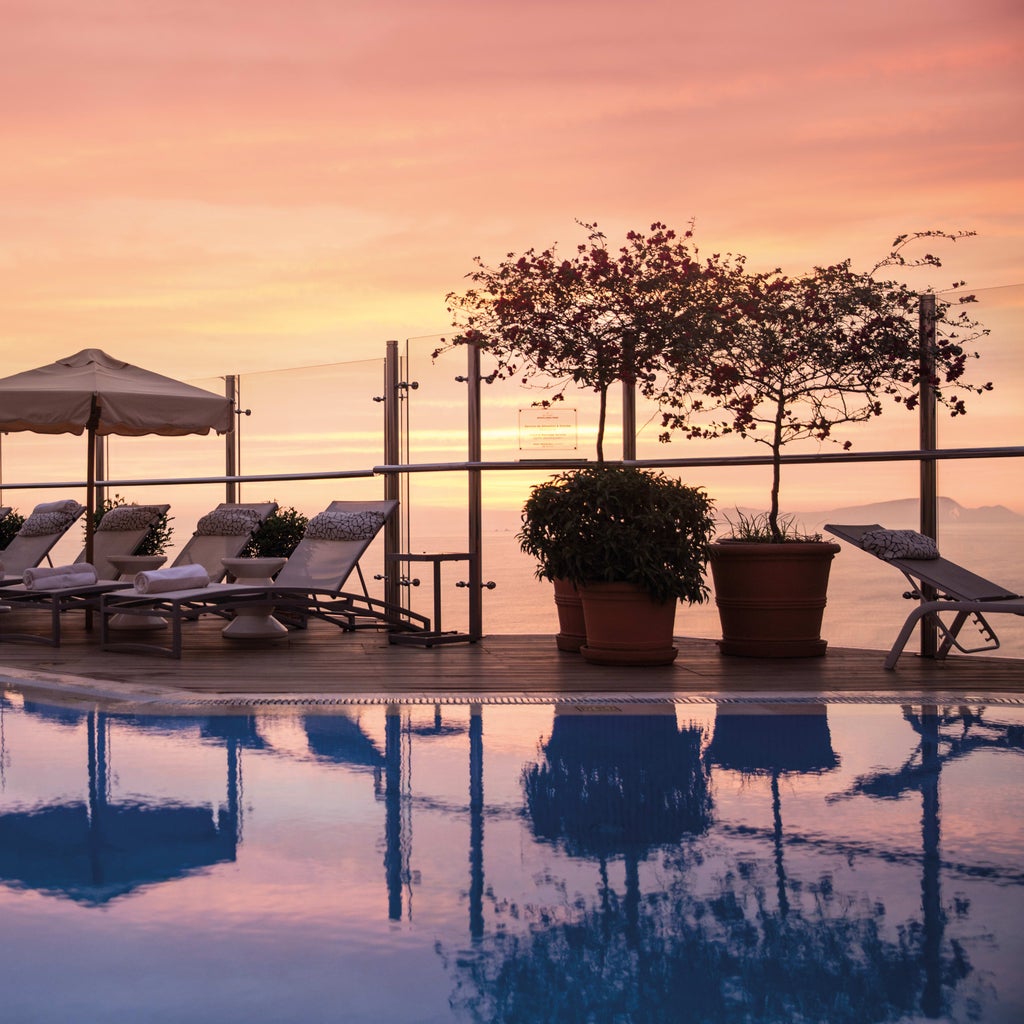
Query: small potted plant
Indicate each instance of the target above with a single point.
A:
(10, 524)
(795, 358)
(278, 535)
(633, 542)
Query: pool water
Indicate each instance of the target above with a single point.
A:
(592, 862)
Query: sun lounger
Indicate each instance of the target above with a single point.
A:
(121, 531)
(222, 533)
(309, 585)
(47, 524)
(969, 597)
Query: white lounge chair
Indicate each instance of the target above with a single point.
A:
(969, 597)
(47, 524)
(222, 533)
(309, 585)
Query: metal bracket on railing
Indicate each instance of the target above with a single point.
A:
(403, 388)
(405, 581)
(488, 379)
(489, 585)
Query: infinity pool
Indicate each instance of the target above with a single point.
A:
(653, 862)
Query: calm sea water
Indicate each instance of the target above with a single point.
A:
(865, 605)
(649, 862)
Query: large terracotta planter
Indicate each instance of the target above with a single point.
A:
(572, 631)
(771, 597)
(625, 626)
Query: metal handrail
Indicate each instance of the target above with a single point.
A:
(825, 458)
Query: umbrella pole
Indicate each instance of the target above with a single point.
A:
(90, 477)
(90, 492)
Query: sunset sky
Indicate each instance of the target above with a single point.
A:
(226, 186)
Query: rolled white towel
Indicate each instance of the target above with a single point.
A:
(40, 575)
(178, 577)
(64, 582)
(64, 505)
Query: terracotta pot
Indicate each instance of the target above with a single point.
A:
(625, 626)
(771, 597)
(572, 632)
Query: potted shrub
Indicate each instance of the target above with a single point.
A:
(795, 358)
(278, 535)
(597, 318)
(633, 542)
(9, 526)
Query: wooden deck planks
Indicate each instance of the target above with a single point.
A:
(327, 662)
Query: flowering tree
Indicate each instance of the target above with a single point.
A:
(594, 319)
(796, 357)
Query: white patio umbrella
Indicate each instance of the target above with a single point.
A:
(94, 393)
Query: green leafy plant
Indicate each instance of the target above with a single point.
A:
(278, 535)
(615, 524)
(756, 527)
(9, 526)
(158, 536)
(796, 357)
(596, 318)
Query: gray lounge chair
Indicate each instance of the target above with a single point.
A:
(308, 585)
(28, 548)
(206, 547)
(969, 597)
(114, 537)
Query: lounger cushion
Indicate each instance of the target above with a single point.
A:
(892, 544)
(228, 522)
(344, 525)
(129, 517)
(42, 524)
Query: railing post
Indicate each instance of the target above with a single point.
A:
(392, 456)
(628, 420)
(928, 498)
(474, 477)
(230, 441)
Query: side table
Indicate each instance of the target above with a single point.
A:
(254, 621)
(127, 566)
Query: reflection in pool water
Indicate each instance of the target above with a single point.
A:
(737, 862)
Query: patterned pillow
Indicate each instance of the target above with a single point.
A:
(890, 544)
(129, 517)
(344, 525)
(42, 524)
(228, 522)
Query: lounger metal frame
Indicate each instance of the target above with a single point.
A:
(958, 590)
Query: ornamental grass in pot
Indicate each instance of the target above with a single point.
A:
(794, 358)
(632, 542)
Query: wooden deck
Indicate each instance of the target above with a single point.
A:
(324, 665)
